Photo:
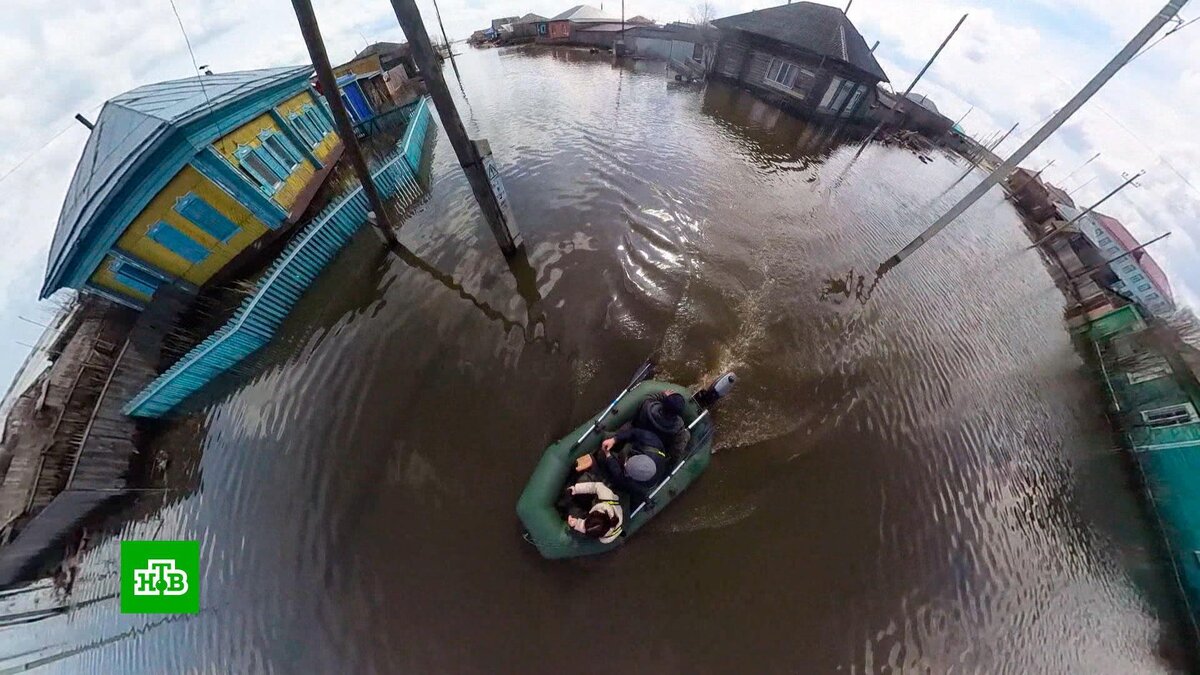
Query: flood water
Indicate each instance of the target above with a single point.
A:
(915, 478)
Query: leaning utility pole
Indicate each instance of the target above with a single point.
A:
(964, 116)
(997, 143)
(1126, 254)
(320, 61)
(1086, 211)
(1080, 167)
(473, 156)
(904, 97)
(1057, 120)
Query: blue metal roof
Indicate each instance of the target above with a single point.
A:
(130, 128)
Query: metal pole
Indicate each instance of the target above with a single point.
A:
(997, 143)
(320, 61)
(1093, 268)
(964, 116)
(1086, 211)
(904, 97)
(1057, 120)
(494, 208)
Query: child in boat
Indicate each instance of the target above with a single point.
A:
(605, 518)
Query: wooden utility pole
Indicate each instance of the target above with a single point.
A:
(320, 61)
(1057, 120)
(1086, 211)
(900, 100)
(473, 156)
(449, 49)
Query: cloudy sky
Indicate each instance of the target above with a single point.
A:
(1013, 61)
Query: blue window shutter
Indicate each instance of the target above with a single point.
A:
(206, 217)
(266, 182)
(135, 277)
(269, 159)
(279, 146)
(177, 242)
(302, 129)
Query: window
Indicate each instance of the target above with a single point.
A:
(1151, 369)
(164, 234)
(253, 163)
(782, 73)
(132, 276)
(835, 96)
(1105, 241)
(279, 146)
(697, 52)
(855, 99)
(1143, 287)
(206, 217)
(306, 131)
(1170, 416)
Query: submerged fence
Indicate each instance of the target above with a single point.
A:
(260, 316)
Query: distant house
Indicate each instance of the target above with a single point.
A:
(1036, 199)
(498, 24)
(803, 56)
(919, 114)
(379, 78)
(561, 29)
(1133, 275)
(177, 178)
(527, 27)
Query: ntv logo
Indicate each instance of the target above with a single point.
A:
(160, 577)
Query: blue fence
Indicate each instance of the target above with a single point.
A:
(255, 322)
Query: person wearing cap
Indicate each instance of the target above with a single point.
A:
(634, 460)
(662, 413)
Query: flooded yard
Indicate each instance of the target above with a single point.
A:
(919, 477)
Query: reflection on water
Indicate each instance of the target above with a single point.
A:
(918, 482)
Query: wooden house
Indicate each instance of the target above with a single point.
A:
(803, 56)
(562, 28)
(178, 178)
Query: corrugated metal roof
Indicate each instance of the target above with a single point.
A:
(129, 127)
(821, 29)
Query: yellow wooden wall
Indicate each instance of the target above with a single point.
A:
(295, 104)
(136, 242)
(103, 277)
(247, 135)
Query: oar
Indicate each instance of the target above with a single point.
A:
(650, 497)
(644, 372)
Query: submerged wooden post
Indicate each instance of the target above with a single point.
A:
(320, 61)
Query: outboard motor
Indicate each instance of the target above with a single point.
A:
(720, 387)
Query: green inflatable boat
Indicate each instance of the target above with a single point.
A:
(545, 526)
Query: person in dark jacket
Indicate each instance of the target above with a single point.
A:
(634, 460)
(662, 413)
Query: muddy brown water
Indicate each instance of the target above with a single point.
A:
(919, 480)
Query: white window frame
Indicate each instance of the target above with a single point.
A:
(1150, 370)
(1186, 408)
(793, 72)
